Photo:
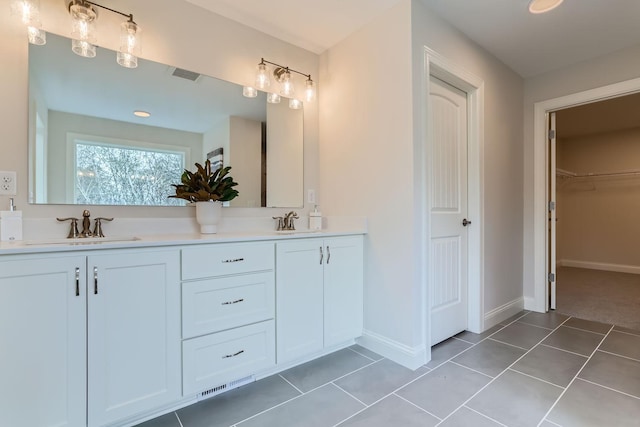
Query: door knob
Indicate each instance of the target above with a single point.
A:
(466, 222)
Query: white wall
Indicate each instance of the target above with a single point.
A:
(371, 133)
(245, 148)
(175, 33)
(608, 69)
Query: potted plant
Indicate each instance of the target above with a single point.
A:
(207, 189)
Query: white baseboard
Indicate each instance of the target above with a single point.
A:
(410, 357)
(620, 268)
(530, 304)
(503, 312)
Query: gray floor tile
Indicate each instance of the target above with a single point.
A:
(391, 411)
(376, 381)
(446, 350)
(465, 417)
(490, 357)
(476, 338)
(366, 352)
(588, 325)
(168, 420)
(550, 320)
(549, 364)
(521, 335)
(236, 405)
(323, 407)
(589, 405)
(576, 340)
(627, 330)
(546, 423)
(325, 369)
(513, 318)
(623, 344)
(516, 400)
(613, 371)
(444, 389)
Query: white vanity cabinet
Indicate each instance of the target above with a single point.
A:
(228, 307)
(88, 340)
(319, 294)
(43, 341)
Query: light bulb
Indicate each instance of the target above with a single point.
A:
(309, 90)
(262, 78)
(249, 92)
(295, 104)
(273, 98)
(36, 35)
(286, 87)
(129, 51)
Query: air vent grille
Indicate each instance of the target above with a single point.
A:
(214, 391)
(185, 74)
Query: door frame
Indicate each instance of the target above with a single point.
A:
(541, 177)
(442, 68)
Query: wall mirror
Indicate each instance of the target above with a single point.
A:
(87, 147)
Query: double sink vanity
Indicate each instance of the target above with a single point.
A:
(114, 332)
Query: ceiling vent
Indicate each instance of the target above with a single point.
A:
(185, 74)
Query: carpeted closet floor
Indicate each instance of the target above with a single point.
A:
(602, 296)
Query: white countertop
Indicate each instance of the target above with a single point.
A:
(128, 242)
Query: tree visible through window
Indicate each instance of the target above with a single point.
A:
(115, 175)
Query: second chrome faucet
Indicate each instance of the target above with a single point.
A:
(86, 226)
(286, 222)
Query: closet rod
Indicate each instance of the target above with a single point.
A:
(598, 175)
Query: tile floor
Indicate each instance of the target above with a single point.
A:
(532, 370)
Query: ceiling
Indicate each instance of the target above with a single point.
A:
(529, 44)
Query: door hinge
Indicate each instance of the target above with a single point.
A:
(552, 134)
(552, 277)
(552, 206)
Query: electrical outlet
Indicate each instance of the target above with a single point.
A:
(7, 183)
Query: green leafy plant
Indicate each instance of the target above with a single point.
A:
(205, 185)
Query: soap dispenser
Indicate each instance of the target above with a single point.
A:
(315, 219)
(10, 223)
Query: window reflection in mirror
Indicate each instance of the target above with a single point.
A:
(87, 147)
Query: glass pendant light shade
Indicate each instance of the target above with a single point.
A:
(130, 49)
(262, 78)
(29, 13)
(273, 98)
(83, 30)
(295, 104)
(249, 92)
(286, 86)
(309, 90)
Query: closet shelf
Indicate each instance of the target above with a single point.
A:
(562, 173)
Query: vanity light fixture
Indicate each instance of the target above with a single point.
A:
(84, 15)
(282, 75)
(249, 92)
(542, 6)
(29, 13)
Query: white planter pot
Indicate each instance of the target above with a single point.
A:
(208, 215)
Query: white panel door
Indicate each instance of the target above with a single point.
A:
(343, 282)
(299, 298)
(43, 342)
(134, 343)
(448, 193)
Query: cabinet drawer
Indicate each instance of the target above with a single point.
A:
(224, 259)
(216, 359)
(217, 304)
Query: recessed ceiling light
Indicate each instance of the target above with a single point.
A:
(542, 6)
(141, 113)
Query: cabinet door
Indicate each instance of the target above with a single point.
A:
(299, 323)
(133, 333)
(42, 342)
(343, 281)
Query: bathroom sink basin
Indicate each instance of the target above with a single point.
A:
(84, 240)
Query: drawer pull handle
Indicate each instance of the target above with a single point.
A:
(95, 280)
(233, 355)
(233, 302)
(233, 260)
